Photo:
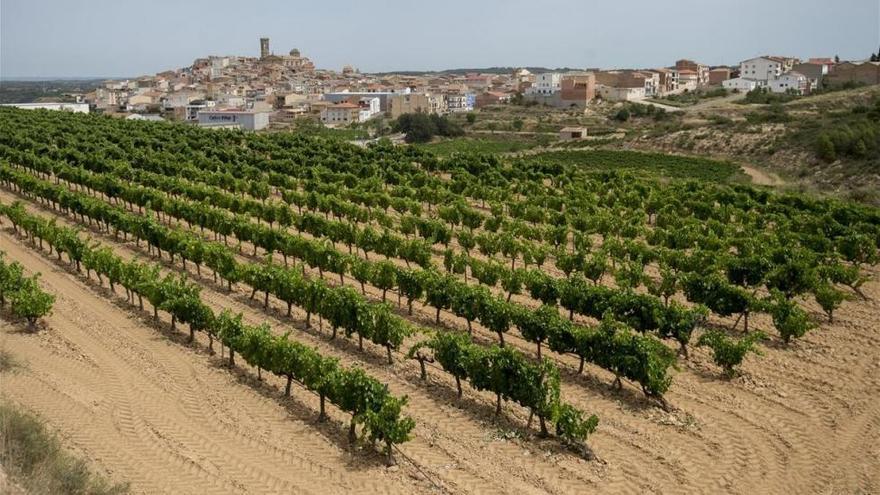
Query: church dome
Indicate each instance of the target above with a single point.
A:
(294, 53)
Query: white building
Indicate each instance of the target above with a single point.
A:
(687, 80)
(67, 107)
(460, 102)
(652, 83)
(180, 99)
(231, 101)
(761, 69)
(247, 120)
(547, 83)
(790, 82)
(369, 108)
(196, 106)
(739, 84)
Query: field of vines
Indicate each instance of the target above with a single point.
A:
(450, 313)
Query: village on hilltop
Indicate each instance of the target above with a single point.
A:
(251, 93)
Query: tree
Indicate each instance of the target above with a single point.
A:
(412, 285)
(540, 325)
(471, 118)
(595, 267)
(517, 124)
(829, 299)
(418, 127)
(512, 281)
(421, 127)
(230, 329)
(445, 126)
(858, 249)
(728, 352)
(825, 148)
(387, 426)
(467, 302)
(466, 241)
(789, 318)
(438, 293)
(384, 276)
(451, 351)
(495, 315)
(622, 115)
(30, 302)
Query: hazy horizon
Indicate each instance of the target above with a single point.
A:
(79, 39)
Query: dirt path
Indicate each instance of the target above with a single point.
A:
(803, 419)
(761, 178)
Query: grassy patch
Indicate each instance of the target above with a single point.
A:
(33, 457)
(647, 164)
(498, 144)
(7, 361)
(689, 98)
(313, 128)
(763, 96)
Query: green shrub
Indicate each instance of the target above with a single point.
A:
(825, 148)
(622, 115)
(829, 298)
(763, 96)
(728, 352)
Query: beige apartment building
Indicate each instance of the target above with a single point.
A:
(400, 104)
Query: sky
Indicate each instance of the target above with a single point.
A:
(127, 38)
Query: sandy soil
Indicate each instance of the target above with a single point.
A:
(760, 177)
(169, 419)
(802, 419)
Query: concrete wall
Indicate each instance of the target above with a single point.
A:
(740, 84)
(620, 94)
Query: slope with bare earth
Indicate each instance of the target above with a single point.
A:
(786, 148)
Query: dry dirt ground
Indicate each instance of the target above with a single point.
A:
(170, 418)
(760, 177)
